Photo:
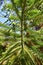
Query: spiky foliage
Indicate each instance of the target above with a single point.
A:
(25, 46)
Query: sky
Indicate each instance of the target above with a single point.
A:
(2, 19)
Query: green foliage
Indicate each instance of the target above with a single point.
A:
(10, 6)
(24, 33)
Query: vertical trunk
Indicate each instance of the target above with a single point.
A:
(22, 20)
(22, 30)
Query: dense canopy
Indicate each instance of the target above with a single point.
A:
(21, 35)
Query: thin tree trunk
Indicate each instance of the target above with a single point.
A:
(22, 20)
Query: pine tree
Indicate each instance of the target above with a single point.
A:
(25, 48)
